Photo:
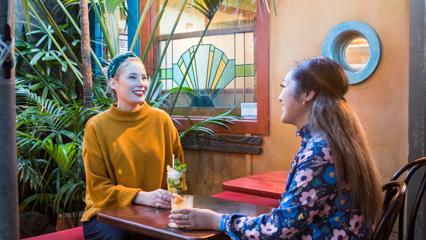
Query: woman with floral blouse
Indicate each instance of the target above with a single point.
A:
(333, 189)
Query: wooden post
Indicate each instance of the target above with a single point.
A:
(8, 171)
(417, 105)
(85, 54)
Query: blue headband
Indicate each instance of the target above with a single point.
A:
(117, 61)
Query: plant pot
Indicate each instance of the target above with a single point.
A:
(33, 224)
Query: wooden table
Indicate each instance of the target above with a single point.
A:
(153, 222)
(269, 184)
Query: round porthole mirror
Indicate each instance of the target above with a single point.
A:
(356, 54)
(356, 47)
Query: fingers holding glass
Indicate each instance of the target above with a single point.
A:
(181, 220)
(162, 199)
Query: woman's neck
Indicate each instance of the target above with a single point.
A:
(302, 121)
(128, 107)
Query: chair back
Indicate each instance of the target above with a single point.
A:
(410, 169)
(393, 202)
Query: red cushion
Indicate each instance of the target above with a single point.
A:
(247, 198)
(269, 184)
(69, 234)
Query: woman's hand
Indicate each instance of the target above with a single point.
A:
(159, 198)
(195, 218)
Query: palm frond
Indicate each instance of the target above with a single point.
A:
(162, 101)
(63, 154)
(28, 173)
(70, 18)
(39, 77)
(38, 200)
(222, 120)
(76, 72)
(207, 7)
(56, 28)
(111, 5)
(106, 33)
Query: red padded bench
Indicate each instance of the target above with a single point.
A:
(269, 184)
(247, 198)
(69, 234)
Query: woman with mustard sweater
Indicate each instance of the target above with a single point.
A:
(126, 150)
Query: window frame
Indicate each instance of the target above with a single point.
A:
(259, 126)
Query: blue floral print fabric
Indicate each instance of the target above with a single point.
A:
(311, 206)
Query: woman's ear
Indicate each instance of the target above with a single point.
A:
(308, 96)
(112, 83)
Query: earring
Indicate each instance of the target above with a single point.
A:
(303, 102)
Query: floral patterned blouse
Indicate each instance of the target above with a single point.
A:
(310, 207)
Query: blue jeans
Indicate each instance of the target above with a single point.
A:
(94, 230)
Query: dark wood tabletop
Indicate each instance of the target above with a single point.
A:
(153, 222)
(269, 184)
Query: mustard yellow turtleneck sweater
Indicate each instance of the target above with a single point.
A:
(124, 153)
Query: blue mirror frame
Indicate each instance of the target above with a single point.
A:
(340, 36)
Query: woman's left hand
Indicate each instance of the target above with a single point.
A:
(159, 198)
(195, 218)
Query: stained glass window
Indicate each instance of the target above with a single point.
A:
(222, 75)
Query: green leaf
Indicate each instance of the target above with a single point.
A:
(75, 42)
(106, 33)
(181, 167)
(27, 15)
(41, 40)
(111, 5)
(36, 57)
(207, 7)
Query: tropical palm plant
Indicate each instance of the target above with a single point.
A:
(49, 137)
(51, 114)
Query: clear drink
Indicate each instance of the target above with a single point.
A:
(185, 201)
(178, 201)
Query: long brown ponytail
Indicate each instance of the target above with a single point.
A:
(332, 117)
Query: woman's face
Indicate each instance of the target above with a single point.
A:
(130, 84)
(293, 109)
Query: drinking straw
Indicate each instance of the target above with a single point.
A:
(173, 161)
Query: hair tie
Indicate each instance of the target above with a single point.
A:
(117, 61)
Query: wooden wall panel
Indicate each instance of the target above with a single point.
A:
(207, 170)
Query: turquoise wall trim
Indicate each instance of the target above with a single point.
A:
(132, 19)
(337, 40)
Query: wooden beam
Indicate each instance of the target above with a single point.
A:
(417, 103)
(9, 224)
(223, 143)
(417, 81)
(236, 11)
(213, 32)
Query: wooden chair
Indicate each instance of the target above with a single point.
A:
(393, 202)
(410, 169)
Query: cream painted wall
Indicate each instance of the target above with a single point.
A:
(298, 30)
